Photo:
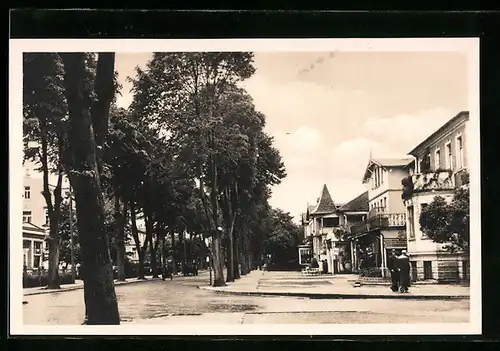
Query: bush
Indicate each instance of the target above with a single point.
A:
(35, 279)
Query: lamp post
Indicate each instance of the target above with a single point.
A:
(208, 242)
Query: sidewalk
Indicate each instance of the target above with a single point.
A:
(77, 285)
(331, 287)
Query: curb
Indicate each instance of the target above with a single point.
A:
(338, 295)
(43, 291)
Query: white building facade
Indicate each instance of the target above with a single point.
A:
(35, 217)
(439, 167)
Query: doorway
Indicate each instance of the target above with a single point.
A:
(413, 271)
(427, 270)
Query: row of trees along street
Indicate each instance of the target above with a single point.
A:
(190, 155)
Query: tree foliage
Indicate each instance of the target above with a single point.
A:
(283, 238)
(448, 222)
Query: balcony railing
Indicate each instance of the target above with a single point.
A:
(380, 221)
(419, 182)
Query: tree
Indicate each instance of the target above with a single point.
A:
(85, 123)
(448, 223)
(45, 111)
(65, 235)
(283, 240)
(181, 92)
(342, 233)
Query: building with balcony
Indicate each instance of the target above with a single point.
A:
(35, 218)
(439, 166)
(319, 224)
(383, 228)
(324, 224)
(351, 214)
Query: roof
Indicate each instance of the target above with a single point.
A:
(33, 228)
(359, 203)
(392, 162)
(386, 163)
(463, 115)
(325, 203)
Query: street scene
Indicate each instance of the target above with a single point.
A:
(182, 302)
(315, 187)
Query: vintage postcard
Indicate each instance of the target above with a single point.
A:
(245, 187)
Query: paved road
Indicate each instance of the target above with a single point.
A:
(179, 301)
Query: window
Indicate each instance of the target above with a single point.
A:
(460, 153)
(449, 156)
(37, 254)
(385, 202)
(38, 248)
(422, 208)
(437, 160)
(47, 218)
(26, 216)
(411, 225)
(330, 222)
(27, 192)
(425, 164)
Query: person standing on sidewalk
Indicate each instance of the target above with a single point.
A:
(403, 265)
(391, 264)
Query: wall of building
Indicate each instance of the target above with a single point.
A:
(441, 142)
(36, 202)
(373, 190)
(388, 195)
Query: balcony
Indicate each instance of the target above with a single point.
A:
(420, 182)
(380, 221)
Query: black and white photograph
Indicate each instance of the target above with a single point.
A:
(216, 187)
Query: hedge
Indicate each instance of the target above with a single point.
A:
(41, 279)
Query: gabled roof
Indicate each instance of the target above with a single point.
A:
(392, 162)
(359, 203)
(32, 227)
(325, 203)
(386, 163)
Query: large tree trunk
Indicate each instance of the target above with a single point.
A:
(148, 240)
(217, 259)
(230, 252)
(120, 238)
(99, 289)
(154, 250)
(137, 242)
(54, 251)
(54, 210)
(236, 258)
(213, 217)
(182, 248)
(174, 255)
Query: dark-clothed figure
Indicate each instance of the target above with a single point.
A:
(403, 265)
(314, 263)
(391, 265)
(325, 266)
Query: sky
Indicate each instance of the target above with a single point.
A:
(326, 111)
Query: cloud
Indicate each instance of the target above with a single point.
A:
(400, 133)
